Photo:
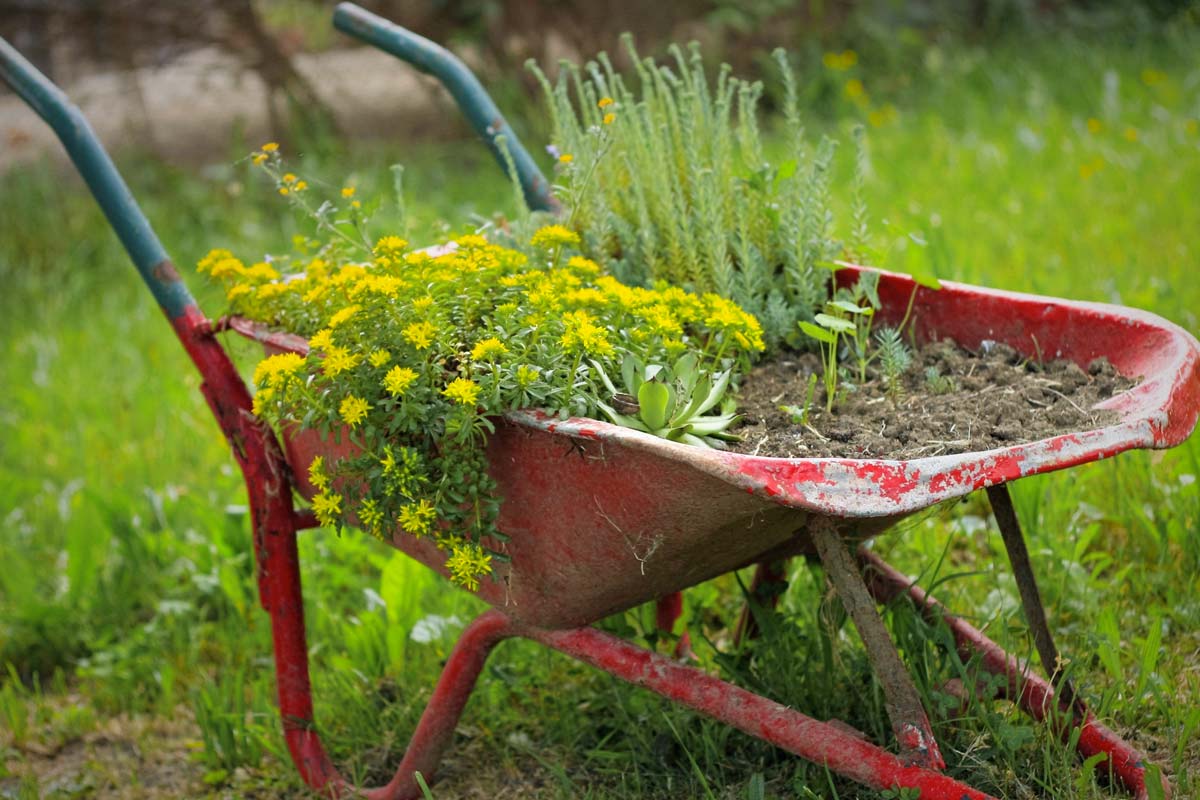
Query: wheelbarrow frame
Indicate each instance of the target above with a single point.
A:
(271, 487)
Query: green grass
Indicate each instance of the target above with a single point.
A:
(128, 582)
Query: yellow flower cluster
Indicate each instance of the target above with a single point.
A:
(412, 350)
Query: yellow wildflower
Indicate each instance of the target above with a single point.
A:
(328, 508)
(467, 563)
(270, 147)
(420, 334)
(471, 241)
(206, 264)
(277, 369)
(604, 102)
(423, 303)
(339, 360)
(463, 391)
(317, 475)
(353, 410)
(582, 335)
(398, 379)
(236, 291)
(840, 62)
(609, 118)
(584, 266)
(348, 191)
(301, 186)
(370, 517)
(259, 158)
(566, 158)
(488, 350)
(322, 339)
(272, 290)
(283, 191)
(261, 398)
(343, 315)
(262, 271)
(288, 178)
(417, 518)
(227, 268)
(526, 375)
(390, 246)
(379, 358)
(554, 236)
(855, 89)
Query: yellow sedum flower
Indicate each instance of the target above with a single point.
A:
(379, 357)
(552, 236)
(317, 475)
(328, 508)
(462, 391)
(488, 350)
(467, 563)
(321, 340)
(353, 410)
(339, 360)
(370, 517)
(398, 379)
(417, 518)
(277, 369)
(420, 334)
(343, 315)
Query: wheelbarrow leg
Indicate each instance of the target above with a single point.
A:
(667, 611)
(768, 583)
(1031, 598)
(909, 721)
(1022, 686)
(282, 597)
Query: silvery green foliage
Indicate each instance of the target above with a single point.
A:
(676, 185)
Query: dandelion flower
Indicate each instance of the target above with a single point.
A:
(604, 102)
(609, 118)
(288, 178)
(348, 191)
(566, 158)
(270, 147)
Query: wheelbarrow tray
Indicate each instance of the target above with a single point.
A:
(602, 518)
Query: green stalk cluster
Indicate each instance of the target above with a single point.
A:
(669, 181)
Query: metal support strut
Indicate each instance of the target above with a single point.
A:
(909, 721)
(1031, 598)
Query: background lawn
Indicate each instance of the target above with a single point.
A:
(137, 657)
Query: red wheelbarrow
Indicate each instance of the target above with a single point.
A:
(602, 518)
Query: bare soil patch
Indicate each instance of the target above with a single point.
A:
(983, 399)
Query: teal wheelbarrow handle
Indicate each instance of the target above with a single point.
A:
(101, 177)
(473, 100)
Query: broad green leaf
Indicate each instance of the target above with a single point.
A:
(654, 400)
(849, 308)
(818, 333)
(834, 323)
(630, 373)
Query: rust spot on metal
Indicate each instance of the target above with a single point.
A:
(165, 271)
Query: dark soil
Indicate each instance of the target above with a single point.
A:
(987, 399)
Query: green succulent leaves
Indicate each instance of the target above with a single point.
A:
(671, 402)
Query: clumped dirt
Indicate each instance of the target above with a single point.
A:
(989, 398)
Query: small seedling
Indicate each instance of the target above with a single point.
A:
(937, 383)
(671, 402)
(828, 331)
(894, 359)
(799, 414)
